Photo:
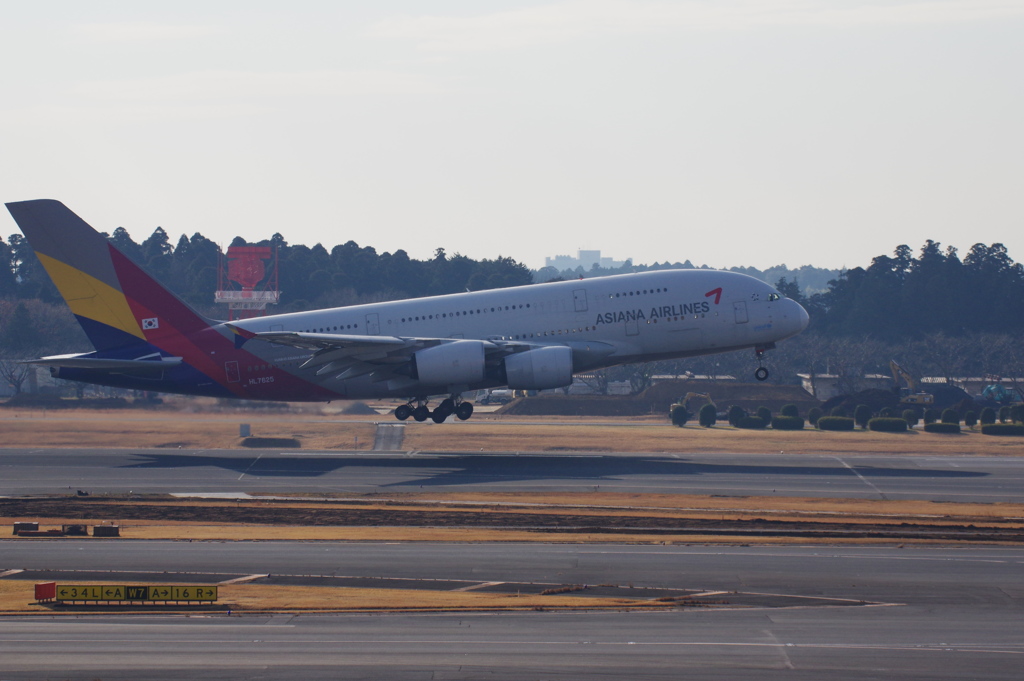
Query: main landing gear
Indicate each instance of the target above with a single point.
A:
(447, 407)
(761, 373)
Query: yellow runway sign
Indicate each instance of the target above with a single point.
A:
(151, 593)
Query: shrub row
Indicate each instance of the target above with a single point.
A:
(1003, 429)
(751, 422)
(887, 425)
(835, 423)
(679, 415)
(813, 414)
(879, 424)
(787, 423)
(707, 416)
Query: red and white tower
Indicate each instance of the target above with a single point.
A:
(243, 282)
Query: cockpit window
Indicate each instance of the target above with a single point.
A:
(774, 296)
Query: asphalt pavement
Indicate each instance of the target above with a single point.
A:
(54, 471)
(909, 613)
(798, 612)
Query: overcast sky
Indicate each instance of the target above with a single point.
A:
(725, 132)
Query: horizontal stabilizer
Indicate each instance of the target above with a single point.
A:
(111, 365)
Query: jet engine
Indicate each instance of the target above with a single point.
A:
(539, 369)
(456, 363)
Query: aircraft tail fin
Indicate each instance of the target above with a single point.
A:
(121, 308)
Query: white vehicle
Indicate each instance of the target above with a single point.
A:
(497, 396)
(523, 338)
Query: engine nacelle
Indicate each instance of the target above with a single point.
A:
(540, 369)
(454, 363)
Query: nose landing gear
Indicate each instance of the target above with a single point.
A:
(761, 373)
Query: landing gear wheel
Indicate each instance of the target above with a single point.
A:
(403, 412)
(761, 374)
(421, 413)
(439, 416)
(447, 406)
(464, 411)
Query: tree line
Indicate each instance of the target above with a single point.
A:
(901, 297)
(811, 279)
(308, 277)
(940, 315)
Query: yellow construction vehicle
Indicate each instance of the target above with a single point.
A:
(692, 396)
(910, 394)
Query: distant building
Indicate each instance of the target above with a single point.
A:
(826, 386)
(975, 385)
(584, 259)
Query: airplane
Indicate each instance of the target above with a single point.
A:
(532, 337)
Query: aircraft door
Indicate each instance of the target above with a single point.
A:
(632, 328)
(232, 373)
(579, 297)
(740, 308)
(373, 324)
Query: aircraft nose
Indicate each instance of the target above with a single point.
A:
(794, 318)
(799, 314)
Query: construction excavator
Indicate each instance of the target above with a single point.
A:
(909, 395)
(688, 399)
(997, 392)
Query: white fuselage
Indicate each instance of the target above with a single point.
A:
(606, 321)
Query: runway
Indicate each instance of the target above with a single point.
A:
(937, 613)
(53, 471)
(865, 612)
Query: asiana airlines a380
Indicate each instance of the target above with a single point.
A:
(527, 337)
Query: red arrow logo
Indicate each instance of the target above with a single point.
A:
(717, 293)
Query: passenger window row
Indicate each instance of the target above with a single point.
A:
(465, 313)
(676, 319)
(328, 329)
(638, 293)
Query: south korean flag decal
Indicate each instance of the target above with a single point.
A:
(151, 323)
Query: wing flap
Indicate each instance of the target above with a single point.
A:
(327, 341)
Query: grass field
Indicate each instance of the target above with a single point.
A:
(174, 429)
(483, 517)
(17, 597)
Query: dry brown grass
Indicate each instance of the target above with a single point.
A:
(607, 504)
(17, 597)
(848, 512)
(135, 428)
(220, 532)
(663, 438)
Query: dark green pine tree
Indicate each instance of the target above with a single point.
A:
(20, 338)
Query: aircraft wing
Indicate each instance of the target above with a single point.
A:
(387, 357)
(349, 356)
